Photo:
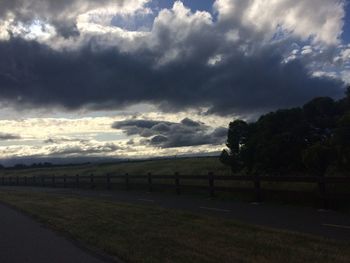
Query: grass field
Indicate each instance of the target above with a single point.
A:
(136, 233)
(187, 166)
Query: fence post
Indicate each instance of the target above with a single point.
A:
(77, 181)
(127, 183)
(43, 181)
(177, 183)
(64, 181)
(257, 187)
(323, 193)
(92, 184)
(108, 176)
(3, 180)
(211, 184)
(17, 180)
(150, 188)
(25, 180)
(34, 180)
(53, 181)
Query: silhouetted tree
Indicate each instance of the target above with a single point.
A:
(310, 138)
(317, 158)
(237, 135)
(342, 141)
(236, 139)
(225, 157)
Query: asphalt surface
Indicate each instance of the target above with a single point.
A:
(329, 224)
(23, 240)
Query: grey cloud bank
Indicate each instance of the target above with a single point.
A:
(33, 75)
(188, 60)
(170, 134)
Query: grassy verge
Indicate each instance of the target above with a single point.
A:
(147, 234)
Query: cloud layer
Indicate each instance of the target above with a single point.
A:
(267, 19)
(77, 136)
(37, 76)
(235, 62)
(165, 134)
(63, 14)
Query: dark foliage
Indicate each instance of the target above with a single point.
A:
(310, 139)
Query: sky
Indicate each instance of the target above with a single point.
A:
(147, 78)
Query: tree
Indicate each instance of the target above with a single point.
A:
(309, 138)
(317, 158)
(225, 157)
(230, 160)
(278, 140)
(343, 105)
(237, 135)
(321, 113)
(236, 139)
(342, 141)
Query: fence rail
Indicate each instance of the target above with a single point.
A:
(178, 182)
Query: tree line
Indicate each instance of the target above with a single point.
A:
(313, 139)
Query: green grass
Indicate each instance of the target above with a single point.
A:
(136, 233)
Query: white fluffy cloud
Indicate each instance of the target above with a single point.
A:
(237, 18)
(240, 22)
(68, 18)
(99, 20)
(174, 29)
(321, 20)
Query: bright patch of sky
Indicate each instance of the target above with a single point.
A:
(202, 5)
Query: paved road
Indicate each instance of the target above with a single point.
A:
(328, 224)
(22, 240)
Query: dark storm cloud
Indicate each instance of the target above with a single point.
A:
(171, 134)
(139, 124)
(34, 75)
(81, 150)
(7, 137)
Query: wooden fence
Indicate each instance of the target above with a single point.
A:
(178, 182)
